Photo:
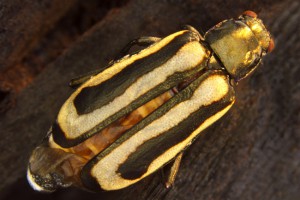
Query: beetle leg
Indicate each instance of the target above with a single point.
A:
(190, 28)
(142, 41)
(75, 82)
(174, 170)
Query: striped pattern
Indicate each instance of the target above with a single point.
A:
(112, 107)
(162, 135)
(127, 85)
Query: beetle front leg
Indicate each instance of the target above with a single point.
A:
(174, 170)
(142, 41)
(75, 82)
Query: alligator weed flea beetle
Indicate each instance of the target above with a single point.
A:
(124, 123)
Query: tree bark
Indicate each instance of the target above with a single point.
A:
(253, 152)
(23, 23)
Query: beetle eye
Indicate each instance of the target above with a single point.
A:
(271, 46)
(250, 14)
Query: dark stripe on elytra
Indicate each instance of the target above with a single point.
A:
(91, 98)
(172, 81)
(185, 94)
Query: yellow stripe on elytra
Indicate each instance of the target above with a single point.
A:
(171, 153)
(108, 73)
(189, 56)
(211, 90)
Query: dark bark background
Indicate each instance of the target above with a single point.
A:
(253, 152)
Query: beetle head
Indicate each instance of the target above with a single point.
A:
(259, 30)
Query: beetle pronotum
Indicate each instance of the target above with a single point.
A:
(123, 123)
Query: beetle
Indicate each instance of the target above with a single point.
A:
(140, 113)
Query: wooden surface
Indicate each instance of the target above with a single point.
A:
(24, 23)
(251, 153)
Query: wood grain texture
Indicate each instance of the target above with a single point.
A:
(251, 153)
(23, 23)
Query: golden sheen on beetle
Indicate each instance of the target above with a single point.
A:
(140, 113)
